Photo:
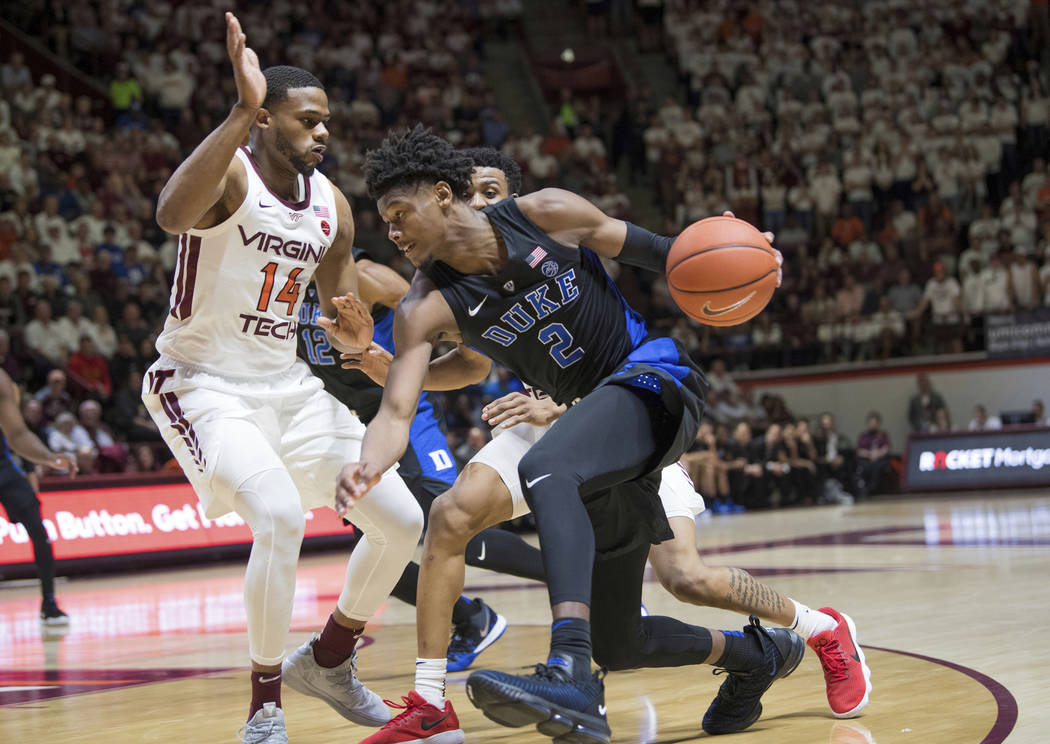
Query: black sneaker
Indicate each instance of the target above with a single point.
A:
(738, 703)
(50, 614)
(484, 628)
(570, 711)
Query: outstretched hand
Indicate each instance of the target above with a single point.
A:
(374, 362)
(769, 237)
(63, 462)
(351, 329)
(251, 84)
(518, 408)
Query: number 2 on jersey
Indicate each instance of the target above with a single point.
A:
(289, 294)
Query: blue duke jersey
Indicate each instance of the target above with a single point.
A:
(556, 319)
(427, 456)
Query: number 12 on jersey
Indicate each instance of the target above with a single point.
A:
(289, 294)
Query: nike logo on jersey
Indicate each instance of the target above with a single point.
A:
(537, 479)
(712, 312)
(601, 710)
(481, 555)
(265, 206)
(472, 311)
(427, 725)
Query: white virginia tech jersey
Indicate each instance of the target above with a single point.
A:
(238, 286)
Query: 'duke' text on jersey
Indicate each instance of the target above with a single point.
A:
(539, 304)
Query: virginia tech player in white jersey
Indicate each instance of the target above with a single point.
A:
(253, 429)
(238, 285)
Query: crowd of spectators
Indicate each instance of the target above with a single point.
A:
(898, 151)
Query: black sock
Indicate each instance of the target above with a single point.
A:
(462, 611)
(571, 640)
(743, 652)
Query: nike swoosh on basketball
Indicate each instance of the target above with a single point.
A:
(481, 556)
(472, 311)
(537, 479)
(427, 725)
(708, 310)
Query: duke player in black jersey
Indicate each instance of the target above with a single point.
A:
(427, 467)
(18, 498)
(514, 283)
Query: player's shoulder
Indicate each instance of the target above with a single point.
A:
(424, 308)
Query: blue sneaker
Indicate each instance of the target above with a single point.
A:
(567, 709)
(738, 703)
(468, 640)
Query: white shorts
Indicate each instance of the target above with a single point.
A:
(508, 446)
(222, 430)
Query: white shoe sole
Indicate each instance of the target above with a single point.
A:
(494, 634)
(445, 737)
(863, 665)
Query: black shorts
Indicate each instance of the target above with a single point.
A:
(16, 495)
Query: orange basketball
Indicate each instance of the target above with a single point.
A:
(721, 271)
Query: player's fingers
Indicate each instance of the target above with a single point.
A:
(728, 213)
(780, 257)
(770, 237)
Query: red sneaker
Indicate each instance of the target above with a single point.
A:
(418, 723)
(846, 675)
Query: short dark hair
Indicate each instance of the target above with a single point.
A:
(490, 157)
(282, 78)
(413, 156)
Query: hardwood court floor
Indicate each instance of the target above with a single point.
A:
(950, 596)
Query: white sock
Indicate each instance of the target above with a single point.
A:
(809, 623)
(430, 680)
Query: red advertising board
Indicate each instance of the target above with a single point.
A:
(137, 519)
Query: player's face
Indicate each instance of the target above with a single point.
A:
(299, 126)
(487, 186)
(415, 221)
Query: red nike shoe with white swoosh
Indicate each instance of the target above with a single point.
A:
(419, 723)
(846, 674)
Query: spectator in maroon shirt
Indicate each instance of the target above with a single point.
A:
(873, 455)
(91, 368)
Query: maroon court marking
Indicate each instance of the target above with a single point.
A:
(1006, 704)
(65, 682)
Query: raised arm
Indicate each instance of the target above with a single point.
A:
(210, 184)
(20, 438)
(451, 371)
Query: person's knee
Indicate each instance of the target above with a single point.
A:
(455, 518)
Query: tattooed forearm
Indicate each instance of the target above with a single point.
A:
(748, 596)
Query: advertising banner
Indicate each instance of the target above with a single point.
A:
(1021, 335)
(978, 459)
(131, 520)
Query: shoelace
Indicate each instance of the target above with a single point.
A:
(833, 659)
(410, 710)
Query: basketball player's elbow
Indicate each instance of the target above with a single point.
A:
(169, 219)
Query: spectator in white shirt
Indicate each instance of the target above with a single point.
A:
(981, 421)
(69, 437)
(943, 296)
(1024, 281)
(973, 289)
(995, 286)
(41, 335)
(826, 189)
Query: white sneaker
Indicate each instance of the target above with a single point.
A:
(265, 727)
(338, 686)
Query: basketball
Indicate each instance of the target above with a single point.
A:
(721, 271)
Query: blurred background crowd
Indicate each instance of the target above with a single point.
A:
(897, 149)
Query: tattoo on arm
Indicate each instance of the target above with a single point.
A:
(750, 596)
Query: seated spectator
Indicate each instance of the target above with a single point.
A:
(981, 421)
(109, 245)
(800, 454)
(720, 379)
(744, 471)
(54, 399)
(68, 437)
(73, 325)
(103, 334)
(1040, 413)
(143, 459)
(127, 414)
(91, 369)
(42, 337)
(133, 325)
(772, 455)
(475, 440)
(112, 455)
(8, 361)
(835, 460)
(704, 464)
(873, 456)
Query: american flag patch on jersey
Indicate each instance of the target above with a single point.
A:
(535, 257)
(321, 212)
